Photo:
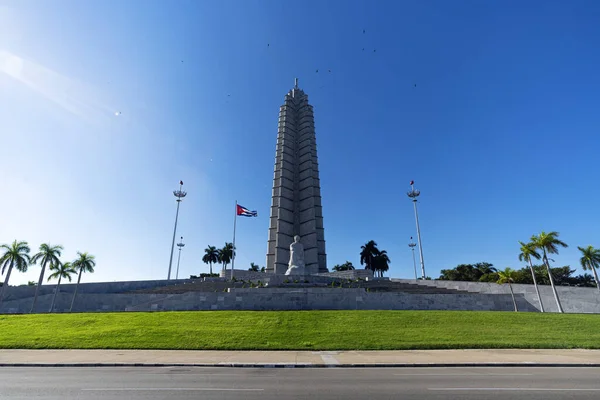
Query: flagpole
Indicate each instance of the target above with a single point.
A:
(413, 194)
(233, 252)
(180, 194)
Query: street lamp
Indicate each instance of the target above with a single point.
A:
(180, 194)
(413, 194)
(412, 247)
(180, 245)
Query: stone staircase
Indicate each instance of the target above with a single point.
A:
(404, 287)
(371, 286)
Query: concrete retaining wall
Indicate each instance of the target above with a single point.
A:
(20, 292)
(573, 299)
(244, 274)
(253, 275)
(118, 296)
(271, 299)
(353, 274)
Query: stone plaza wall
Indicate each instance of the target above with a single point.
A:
(352, 274)
(267, 277)
(21, 292)
(261, 299)
(573, 299)
(121, 296)
(244, 274)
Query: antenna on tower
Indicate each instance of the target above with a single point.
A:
(296, 83)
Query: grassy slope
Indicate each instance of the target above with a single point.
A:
(311, 330)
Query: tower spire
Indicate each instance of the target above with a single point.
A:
(296, 83)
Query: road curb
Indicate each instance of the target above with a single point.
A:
(292, 365)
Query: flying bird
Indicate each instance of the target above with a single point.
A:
(317, 71)
(329, 70)
(363, 31)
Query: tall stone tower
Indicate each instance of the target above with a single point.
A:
(296, 205)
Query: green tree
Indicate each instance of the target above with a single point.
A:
(528, 252)
(15, 255)
(254, 267)
(486, 272)
(508, 276)
(367, 255)
(585, 280)
(548, 243)
(480, 272)
(84, 263)
(381, 262)
(60, 271)
(211, 256)
(590, 260)
(347, 266)
(47, 256)
(226, 254)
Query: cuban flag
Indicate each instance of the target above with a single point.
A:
(244, 212)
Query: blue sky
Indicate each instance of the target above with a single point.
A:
(500, 132)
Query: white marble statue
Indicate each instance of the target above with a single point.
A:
(296, 264)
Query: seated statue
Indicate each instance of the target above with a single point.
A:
(296, 264)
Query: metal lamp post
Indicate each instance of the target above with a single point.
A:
(413, 194)
(180, 245)
(180, 194)
(412, 247)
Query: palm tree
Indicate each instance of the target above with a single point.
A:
(60, 271)
(548, 243)
(381, 262)
(15, 255)
(508, 276)
(211, 255)
(527, 252)
(48, 255)
(226, 254)
(368, 253)
(254, 267)
(85, 263)
(590, 259)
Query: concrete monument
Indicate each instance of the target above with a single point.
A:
(296, 264)
(296, 203)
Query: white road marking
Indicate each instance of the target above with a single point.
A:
(169, 390)
(515, 389)
(184, 373)
(466, 374)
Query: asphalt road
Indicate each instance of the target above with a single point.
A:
(276, 384)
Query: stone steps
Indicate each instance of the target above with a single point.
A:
(371, 286)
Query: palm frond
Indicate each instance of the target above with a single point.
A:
(15, 254)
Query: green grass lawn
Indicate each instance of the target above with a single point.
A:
(300, 330)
